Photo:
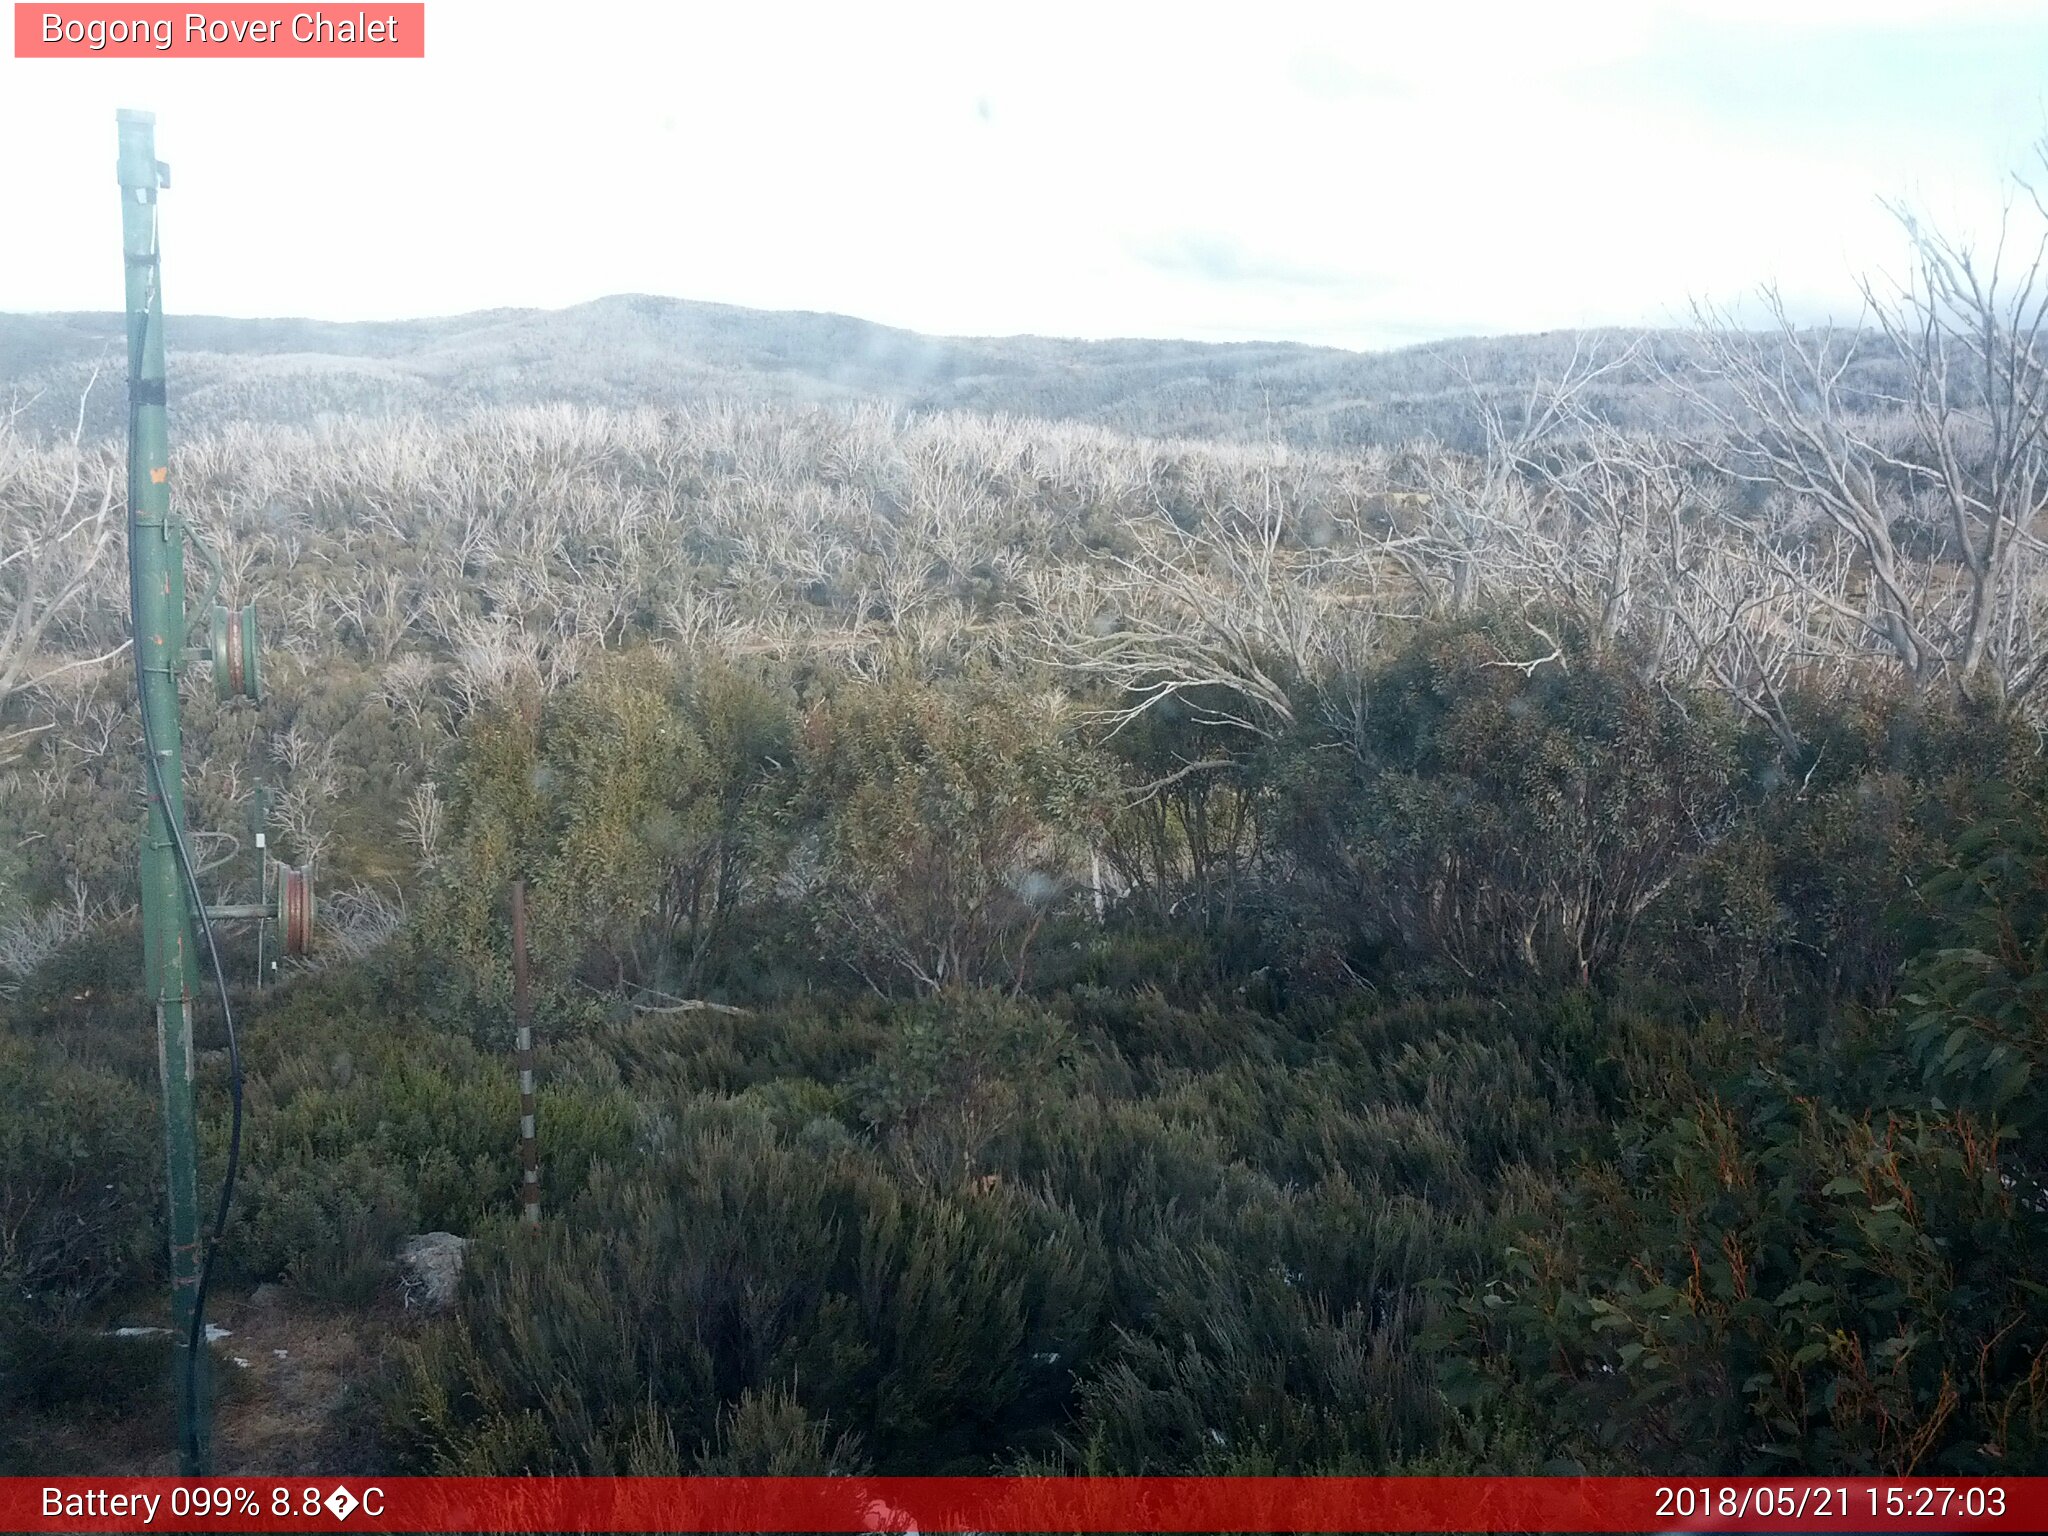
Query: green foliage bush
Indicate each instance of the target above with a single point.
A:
(1810, 894)
(1780, 1284)
(1829, 1266)
(1097, 1233)
(945, 829)
(948, 1082)
(637, 805)
(1186, 842)
(50, 1369)
(1502, 815)
(1976, 1008)
(363, 1128)
(739, 1262)
(80, 1161)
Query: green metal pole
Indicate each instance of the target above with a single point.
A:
(156, 556)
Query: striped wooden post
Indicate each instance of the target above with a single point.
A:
(522, 1011)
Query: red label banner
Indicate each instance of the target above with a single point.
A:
(1079, 1504)
(228, 31)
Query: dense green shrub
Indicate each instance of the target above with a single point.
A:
(1186, 840)
(1776, 1283)
(1824, 1267)
(950, 1082)
(740, 1261)
(80, 1164)
(1140, 1224)
(1976, 1008)
(365, 1127)
(1810, 895)
(637, 805)
(1502, 812)
(943, 830)
(48, 1368)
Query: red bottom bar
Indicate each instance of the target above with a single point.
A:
(994, 1504)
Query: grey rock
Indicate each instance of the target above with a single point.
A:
(430, 1270)
(267, 1297)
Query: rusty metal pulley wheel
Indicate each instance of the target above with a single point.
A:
(295, 909)
(237, 670)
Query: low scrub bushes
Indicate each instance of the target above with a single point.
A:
(1089, 1237)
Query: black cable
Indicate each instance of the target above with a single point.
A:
(195, 1340)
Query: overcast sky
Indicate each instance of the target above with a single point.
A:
(1357, 174)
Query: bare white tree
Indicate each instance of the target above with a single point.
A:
(1228, 616)
(59, 512)
(1921, 437)
(382, 608)
(1480, 531)
(425, 816)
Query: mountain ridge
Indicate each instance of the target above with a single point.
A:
(642, 349)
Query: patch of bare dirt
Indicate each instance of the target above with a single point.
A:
(283, 1379)
(293, 1365)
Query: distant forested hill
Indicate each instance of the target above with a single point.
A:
(641, 350)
